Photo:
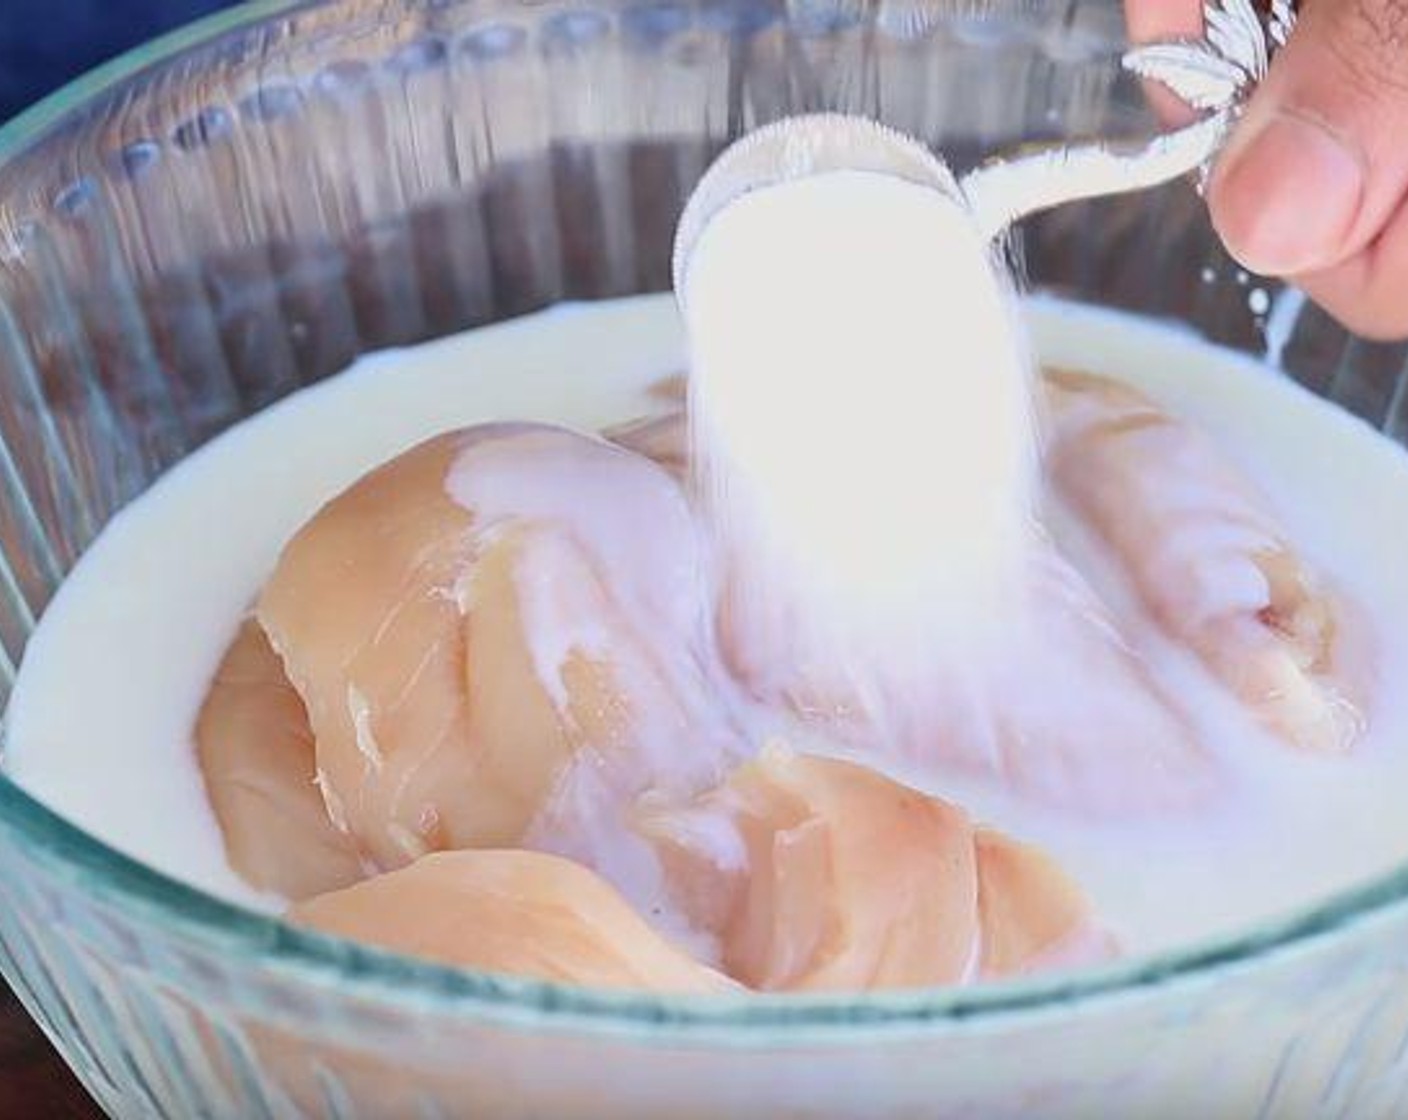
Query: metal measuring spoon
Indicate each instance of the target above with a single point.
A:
(1215, 75)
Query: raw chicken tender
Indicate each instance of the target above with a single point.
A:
(256, 756)
(820, 874)
(517, 912)
(1205, 553)
(1065, 712)
(1062, 710)
(500, 624)
(1069, 713)
(1033, 917)
(663, 438)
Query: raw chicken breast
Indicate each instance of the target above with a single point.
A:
(517, 912)
(1204, 552)
(1060, 710)
(1069, 713)
(821, 874)
(1033, 917)
(1064, 711)
(256, 756)
(500, 624)
(661, 438)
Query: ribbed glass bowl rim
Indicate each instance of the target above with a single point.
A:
(241, 937)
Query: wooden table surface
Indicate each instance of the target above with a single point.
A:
(33, 1079)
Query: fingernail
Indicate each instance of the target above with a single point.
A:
(1286, 193)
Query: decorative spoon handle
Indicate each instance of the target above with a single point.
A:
(1215, 74)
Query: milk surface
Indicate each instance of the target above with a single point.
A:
(100, 726)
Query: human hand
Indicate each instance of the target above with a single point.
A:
(1313, 184)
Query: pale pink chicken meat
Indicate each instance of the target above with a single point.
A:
(498, 628)
(662, 438)
(257, 759)
(1068, 712)
(1205, 553)
(1063, 710)
(1033, 917)
(517, 912)
(1071, 714)
(821, 874)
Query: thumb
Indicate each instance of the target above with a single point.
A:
(1319, 163)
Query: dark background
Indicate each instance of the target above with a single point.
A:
(45, 43)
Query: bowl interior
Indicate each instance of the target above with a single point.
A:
(239, 211)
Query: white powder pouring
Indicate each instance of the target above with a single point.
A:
(862, 410)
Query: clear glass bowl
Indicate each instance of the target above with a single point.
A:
(242, 209)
